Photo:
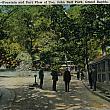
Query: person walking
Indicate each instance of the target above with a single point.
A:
(82, 75)
(90, 78)
(55, 79)
(94, 78)
(78, 75)
(67, 78)
(41, 77)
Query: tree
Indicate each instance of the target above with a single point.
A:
(5, 13)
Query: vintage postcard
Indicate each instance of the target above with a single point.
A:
(54, 55)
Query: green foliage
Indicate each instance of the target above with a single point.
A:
(12, 49)
(49, 33)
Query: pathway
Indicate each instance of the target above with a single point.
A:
(79, 98)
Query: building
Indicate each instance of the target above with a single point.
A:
(102, 66)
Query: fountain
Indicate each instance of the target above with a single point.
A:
(25, 67)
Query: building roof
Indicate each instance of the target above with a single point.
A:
(100, 59)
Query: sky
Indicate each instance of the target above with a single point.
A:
(66, 6)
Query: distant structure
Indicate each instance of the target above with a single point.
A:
(68, 64)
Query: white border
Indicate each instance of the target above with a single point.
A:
(52, 2)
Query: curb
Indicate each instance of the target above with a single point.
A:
(97, 93)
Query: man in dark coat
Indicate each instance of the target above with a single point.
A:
(94, 78)
(82, 75)
(41, 77)
(90, 78)
(78, 75)
(54, 78)
(67, 78)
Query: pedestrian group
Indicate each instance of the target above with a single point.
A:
(54, 74)
(92, 76)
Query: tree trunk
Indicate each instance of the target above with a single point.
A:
(86, 57)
